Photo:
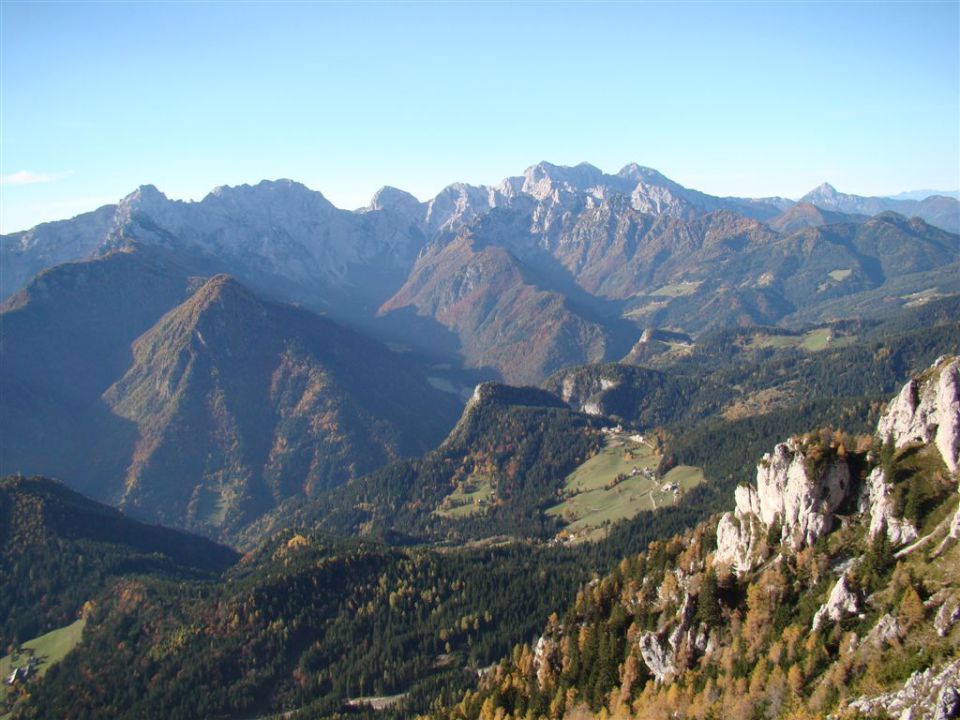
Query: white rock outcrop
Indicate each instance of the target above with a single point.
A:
(660, 650)
(928, 410)
(741, 541)
(842, 603)
(923, 694)
(785, 494)
(877, 500)
(803, 505)
(659, 656)
(887, 630)
(585, 393)
(947, 616)
(545, 659)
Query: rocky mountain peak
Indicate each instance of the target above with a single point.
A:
(276, 196)
(220, 288)
(823, 190)
(639, 173)
(145, 198)
(544, 179)
(391, 198)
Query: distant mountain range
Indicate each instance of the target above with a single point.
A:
(171, 358)
(560, 265)
(939, 210)
(924, 194)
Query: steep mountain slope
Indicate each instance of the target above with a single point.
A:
(58, 550)
(815, 596)
(220, 410)
(240, 404)
(502, 320)
(812, 267)
(63, 340)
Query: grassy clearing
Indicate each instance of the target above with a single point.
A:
(813, 341)
(686, 476)
(49, 649)
(840, 275)
(376, 703)
(816, 340)
(681, 289)
(594, 498)
(773, 341)
(471, 498)
(620, 456)
(645, 309)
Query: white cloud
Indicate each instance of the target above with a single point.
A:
(26, 177)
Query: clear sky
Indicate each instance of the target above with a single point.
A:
(729, 98)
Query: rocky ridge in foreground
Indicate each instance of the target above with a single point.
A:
(833, 589)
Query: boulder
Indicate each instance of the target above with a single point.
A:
(842, 603)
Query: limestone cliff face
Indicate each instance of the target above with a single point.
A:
(583, 392)
(803, 499)
(928, 410)
(793, 491)
(741, 536)
(877, 500)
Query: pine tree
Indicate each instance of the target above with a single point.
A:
(708, 604)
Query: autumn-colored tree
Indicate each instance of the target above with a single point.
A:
(910, 611)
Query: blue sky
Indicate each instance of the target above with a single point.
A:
(730, 98)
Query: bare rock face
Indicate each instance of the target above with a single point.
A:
(948, 704)
(803, 505)
(886, 630)
(582, 392)
(741, 537)
(876, 499)
(947, 616)
(660, 650)
(928, 410)
(545, 659)
(928, 695)
(791, 491)
(843, 602)
(658, 656)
